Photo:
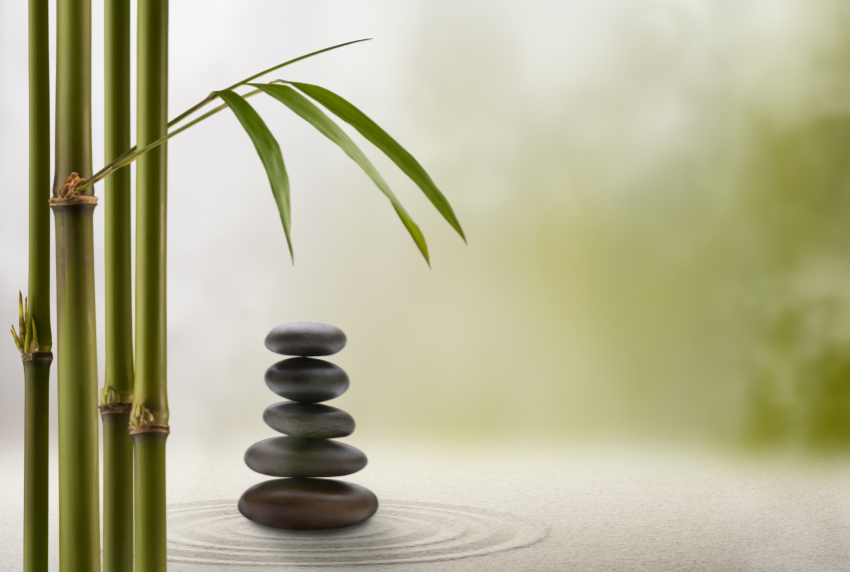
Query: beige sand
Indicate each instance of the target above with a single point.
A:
(511, 509)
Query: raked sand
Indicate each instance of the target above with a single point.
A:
(508, 509)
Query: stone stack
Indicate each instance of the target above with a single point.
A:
(301, 501)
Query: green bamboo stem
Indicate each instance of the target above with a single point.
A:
(117, 493)
(79, 510)
(36, 446)
(150, 400)
(117, 444)
(37, 364)
(38, 290)
(117, 201)
(149, 451)
(73, 92)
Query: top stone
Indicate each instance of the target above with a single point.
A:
(306, 339)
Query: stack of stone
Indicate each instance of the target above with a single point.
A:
(301, 501)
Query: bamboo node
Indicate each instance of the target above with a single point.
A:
(149, 428)
(38, 356)
(115, 408)
(72, 201)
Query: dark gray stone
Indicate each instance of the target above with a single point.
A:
(308, 420)
(308, 504)
(306, 339)
(306, 379)
(297, 457)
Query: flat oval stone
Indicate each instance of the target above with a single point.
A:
(297, 457)
(306, 339)
(308, 504)
(306, 379)
(308, 420)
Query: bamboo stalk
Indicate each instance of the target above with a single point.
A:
(79, 511)
(36, 447)
(118, 384)
(149, 420)
(37, 364)
(73, 92)
(117, 492)
(149, 449)
(38, 290)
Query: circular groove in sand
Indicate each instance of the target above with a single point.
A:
(214, 533)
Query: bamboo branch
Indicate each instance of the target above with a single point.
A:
(134, 153)
(131, 154)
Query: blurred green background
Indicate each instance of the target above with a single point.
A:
(656, 195)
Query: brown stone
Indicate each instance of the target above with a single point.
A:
(308, 504)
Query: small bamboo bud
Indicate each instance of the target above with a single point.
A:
(108, 395)
(141, 415)
(70, 187)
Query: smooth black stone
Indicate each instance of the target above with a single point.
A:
(308, 504)
(308, 420)
(297, 457)
(306, 339)
(306, 379)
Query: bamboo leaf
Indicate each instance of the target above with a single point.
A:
(134, 152)
(34, 346)
(298, 59)
(21, 324)
(28, 337)
(307, 110)
(17, 341)
(212, 96)
(382, 140)
(269, 152)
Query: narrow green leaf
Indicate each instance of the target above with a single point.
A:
(212, 96)
(269, 152)
(22, 327)
(34, 346)
(27, 320)
(27, 338)
(317, 118)
(298, 59)
(17, 341)
(382, 140)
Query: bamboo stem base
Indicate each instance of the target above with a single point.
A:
(149, 455)
(36, 460)
(117, 492)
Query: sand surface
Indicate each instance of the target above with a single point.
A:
(509, 509)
